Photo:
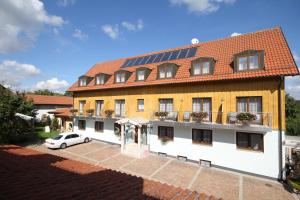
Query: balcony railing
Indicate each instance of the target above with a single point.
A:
(218, 119)
(90, 113)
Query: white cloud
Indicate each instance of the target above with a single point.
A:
(13, 73)
(55, 31)
(65, 3)
(235, 34)
(133, 26)
(21, 22)
(79, 34)
(112, 31)
(293, 86)
(201, 6)
(53, 84)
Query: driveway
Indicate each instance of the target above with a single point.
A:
(212, 181)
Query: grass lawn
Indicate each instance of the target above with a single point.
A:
(42, 135)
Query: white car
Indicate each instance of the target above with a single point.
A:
(64, 140)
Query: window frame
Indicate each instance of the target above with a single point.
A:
(248, 103)
(248, 54)
(101, 77)
(201, 141)
(79, 124)
(165, 136)
(165, 104)
(120, 115)
(203, 60)
(83, 108)
(96, 104)
(121, 72)
(249, 141)
(140, 110)
(209, 117)
(82, 79)
(164, 66)
(98, 128)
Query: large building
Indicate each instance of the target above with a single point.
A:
(220, 103)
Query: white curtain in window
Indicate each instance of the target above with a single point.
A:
(169, 105)
(162, 107)
(118, 108)
(122, 108)
(122, 77)
(205, 68)
(140, 104)
(253, 62)
(197, 105)
(206, 105)
(197, 68)
(81, 106)
(141, 75)
(82, 82)
(242, 105)
(98, 107)
(166, 105)
(255, 105)
(242, 63)
(169, 72)
(161, 73)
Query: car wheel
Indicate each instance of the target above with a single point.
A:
(86, 140)
(63, 146)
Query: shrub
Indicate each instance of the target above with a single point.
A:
(54, 124)
(161, 114)
(199, 116)
(90, 112)
(246, 117)
(108, 113)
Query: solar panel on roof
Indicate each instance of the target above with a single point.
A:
(166, 56)
(174, 55)
(191, 52)
(171, 55)
(158, 57)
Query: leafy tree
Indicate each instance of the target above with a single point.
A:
(11, 127)
(44, 92)
(54, 124)
(292, 112)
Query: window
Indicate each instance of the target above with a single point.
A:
(201, 68)
(165, 105)
(140, 104)
(120, 77)
(251, 141)
(249, 104)
(120, 108)
(99, 105)
(249, 60)
(81, 107)
(81, 124)
(166, 71)
(202, 136)
(82, 82)
(166, 132)
(141, 75)
(99, 126)
(100, 80)
(202, 105)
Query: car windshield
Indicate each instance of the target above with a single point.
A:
(57, 137)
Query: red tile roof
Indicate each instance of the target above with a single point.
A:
(29, 174)
(63, 112)
(278, 61)
(50, 100)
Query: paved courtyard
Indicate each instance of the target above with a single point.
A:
(212, 181)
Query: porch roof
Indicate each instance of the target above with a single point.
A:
(137, 121)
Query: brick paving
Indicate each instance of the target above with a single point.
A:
(29, 174)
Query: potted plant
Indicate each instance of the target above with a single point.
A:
(73, 111)
(199, 116)
(164, 140)
(108, 113)
(246, 117)
(161, 115)
(90, 112)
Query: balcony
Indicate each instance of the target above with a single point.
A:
(221, 120)
(104, 114)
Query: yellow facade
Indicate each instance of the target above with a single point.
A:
(223, 95)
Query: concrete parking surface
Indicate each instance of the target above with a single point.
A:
(212, 181)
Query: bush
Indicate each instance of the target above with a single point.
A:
(161, 114)
(108, 113)
(246, 117)
(199, 116)
(54, 124)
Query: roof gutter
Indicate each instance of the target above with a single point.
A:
(280, 127)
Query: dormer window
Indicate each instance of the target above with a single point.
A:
(167, 70)
(82, 82)
(249, 60)
(100, 80)
(121, 76)
(202, 66)
(142, 73)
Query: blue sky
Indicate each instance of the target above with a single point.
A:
(50, 44)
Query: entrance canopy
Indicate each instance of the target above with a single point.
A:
(137, 121)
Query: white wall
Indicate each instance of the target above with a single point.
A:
(223, 151)
(107, 135)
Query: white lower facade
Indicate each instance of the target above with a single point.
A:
(222, 153)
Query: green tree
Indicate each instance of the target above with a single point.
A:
(12, 128)
(292, 112)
